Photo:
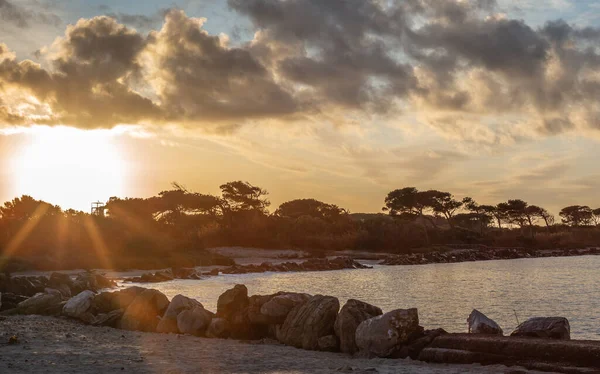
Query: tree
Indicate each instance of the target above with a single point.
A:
(514, 211)
(547, 217)
(482, 212)
(410, 203)
(443, 203)
(596, 216)
(310, 207)
(576, 215)
(242, 196)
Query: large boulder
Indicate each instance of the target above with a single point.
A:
(78, 306)
(277, 308)
(106, 302)
(41, 303)
(194, 321)
(381, 336)
(353, 313)
(308, 322)
(233, 306)
(144, 313)
(180, 303)
(479, 323)
(218, 328)
(544, 327)
(232, 301)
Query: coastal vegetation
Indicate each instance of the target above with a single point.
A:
(175, 227)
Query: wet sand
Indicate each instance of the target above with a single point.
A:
(53, 345)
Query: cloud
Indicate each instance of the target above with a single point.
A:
(459, 67)
(23, 17)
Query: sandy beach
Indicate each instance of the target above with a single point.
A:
(53, 345)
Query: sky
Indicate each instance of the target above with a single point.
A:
(342, 101)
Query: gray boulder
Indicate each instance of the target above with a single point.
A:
(308, 322)
(381, 336)
(40, 303)
(352, 314)
(544, 327)
(180, 303)
(194, 321)
(144, 313)
(479, 323)
(78, 306)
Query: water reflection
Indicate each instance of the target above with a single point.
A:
(444, 293)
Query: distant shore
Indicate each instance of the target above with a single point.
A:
(483, 254)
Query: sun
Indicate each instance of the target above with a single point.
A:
(69, 167)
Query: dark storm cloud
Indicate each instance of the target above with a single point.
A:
(439, 59)
(22, 17)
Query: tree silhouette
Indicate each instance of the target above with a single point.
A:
(242, 196)
(576, 215)
(310, 207)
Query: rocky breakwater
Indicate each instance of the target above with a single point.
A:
(539, 343)
(315, 264)
(41, 294)
(315, 322)
(482, 254)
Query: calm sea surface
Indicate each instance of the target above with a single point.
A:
(444, 293)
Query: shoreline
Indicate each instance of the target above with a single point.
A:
(483, 254)
(58, 345)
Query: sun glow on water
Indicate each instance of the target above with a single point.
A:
(69, 167)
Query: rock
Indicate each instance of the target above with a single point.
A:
(233, 306)
(144, 313)
(185, 273)
(91, 281)
(26, 286)
(232, 301)
(479, 323)
(111, 319)
(544, 327)
(328, 343)
(10, 301)
(61, 282)
(78, 306)
(383, 335)
(256, 302)
(41, 303)
(194, 321)
(218, 328)
(180, 303)
(106, 302)
(352, 314)
(277, 308)
(308, 322)
(415, 346)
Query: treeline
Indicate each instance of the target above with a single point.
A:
(175, 227)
